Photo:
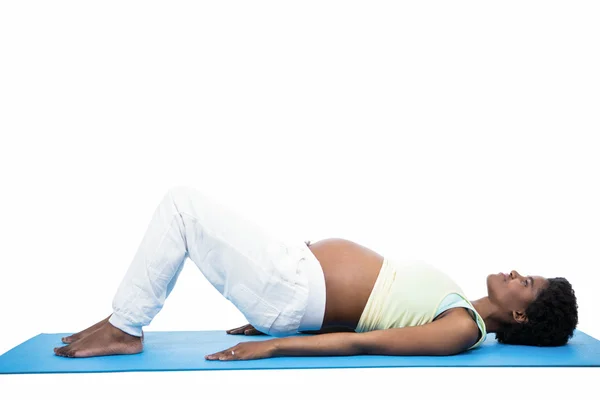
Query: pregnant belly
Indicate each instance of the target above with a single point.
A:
(350, 272)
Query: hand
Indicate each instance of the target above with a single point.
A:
(247, 330)
(245, 351)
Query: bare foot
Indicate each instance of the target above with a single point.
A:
(106, 340)
(80, 335)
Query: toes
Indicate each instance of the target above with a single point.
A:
(62, 351)
(67, 339)
(66, 351)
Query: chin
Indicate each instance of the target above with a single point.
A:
(490, 282)
(494, 283)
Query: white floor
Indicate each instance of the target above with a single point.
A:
(446, 383)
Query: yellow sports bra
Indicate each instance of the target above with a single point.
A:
(411, 294)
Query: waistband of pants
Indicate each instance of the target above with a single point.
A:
(312, 320)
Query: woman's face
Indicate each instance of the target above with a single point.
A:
(513, 292)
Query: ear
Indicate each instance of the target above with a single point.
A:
(520, 317)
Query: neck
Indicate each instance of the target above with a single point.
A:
(492, 315)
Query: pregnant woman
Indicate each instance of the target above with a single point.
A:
(351, 299)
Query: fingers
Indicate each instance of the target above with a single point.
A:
(244, 351)
(247, 330)
(238, 331)
(252, 331)
(225, 355)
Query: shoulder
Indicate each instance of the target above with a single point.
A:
(461, 321)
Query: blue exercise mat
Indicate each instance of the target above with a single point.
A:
(185, 351)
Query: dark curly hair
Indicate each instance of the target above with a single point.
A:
(552, 318)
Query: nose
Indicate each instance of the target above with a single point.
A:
(514, 274)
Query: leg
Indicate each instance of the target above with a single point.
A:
(95, 327)
(115, 335)
(247, 266)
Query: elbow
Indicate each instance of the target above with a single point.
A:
(454, 350)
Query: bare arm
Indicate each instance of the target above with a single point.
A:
(450, 335)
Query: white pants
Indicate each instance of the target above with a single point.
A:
(277, 285)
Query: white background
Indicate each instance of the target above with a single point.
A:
(460, 133)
